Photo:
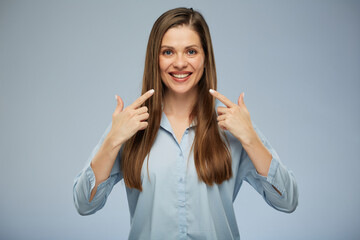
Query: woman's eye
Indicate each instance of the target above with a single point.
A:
(167, 52)
(192, 52)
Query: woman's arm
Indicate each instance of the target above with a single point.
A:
(263, 169)
(94, 183)
(103, 162)
(91, 189)
(278, 186)
(259, 155)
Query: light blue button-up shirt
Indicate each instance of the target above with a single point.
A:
(174, 204)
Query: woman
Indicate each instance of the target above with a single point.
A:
(182, 158)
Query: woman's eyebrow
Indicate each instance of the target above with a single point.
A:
(190, 46)
(166, 46)
(193, 46)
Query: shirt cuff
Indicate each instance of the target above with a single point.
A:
(91, 177)
(272, 177)
(274, 165)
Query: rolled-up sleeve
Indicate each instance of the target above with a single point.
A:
(278, 188)
(85, 182)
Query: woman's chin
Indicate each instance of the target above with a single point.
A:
(175, 89)
(179, 91)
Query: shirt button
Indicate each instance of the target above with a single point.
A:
(180, 154)
(182, 204)
(181, 179)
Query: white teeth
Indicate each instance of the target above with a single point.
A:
(181, 75)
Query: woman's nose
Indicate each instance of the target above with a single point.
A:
(180, 61)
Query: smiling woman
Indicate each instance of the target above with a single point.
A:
(198, 154)
(181, 102)
(181, 64)
(181, 60)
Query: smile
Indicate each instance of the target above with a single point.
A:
(180, 77)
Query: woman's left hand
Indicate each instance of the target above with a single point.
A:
(235, 118)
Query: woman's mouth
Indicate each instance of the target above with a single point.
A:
(180, 77)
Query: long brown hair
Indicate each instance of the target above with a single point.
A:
(211, 154)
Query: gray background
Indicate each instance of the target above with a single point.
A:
(61, 62)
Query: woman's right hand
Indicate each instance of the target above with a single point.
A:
(126, 122)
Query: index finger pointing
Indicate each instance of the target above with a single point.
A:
(142, 98)
(221, 98)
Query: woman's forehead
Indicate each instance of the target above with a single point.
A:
(181, 36)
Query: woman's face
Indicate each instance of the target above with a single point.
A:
(181, 59)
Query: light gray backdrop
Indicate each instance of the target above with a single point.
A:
(61, 62)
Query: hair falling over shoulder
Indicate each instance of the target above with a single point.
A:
(212, 157)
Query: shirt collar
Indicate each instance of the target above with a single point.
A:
(164, 123)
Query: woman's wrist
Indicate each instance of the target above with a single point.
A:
(250, 139)
(113, 143)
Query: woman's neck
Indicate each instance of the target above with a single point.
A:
(179, 105)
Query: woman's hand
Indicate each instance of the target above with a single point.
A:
(126, 122)
(235, 118)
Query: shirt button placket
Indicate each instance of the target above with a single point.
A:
(181, 195)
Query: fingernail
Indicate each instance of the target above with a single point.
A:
(211, 90)
(151, 90)
(243, 95)
(115, 96)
